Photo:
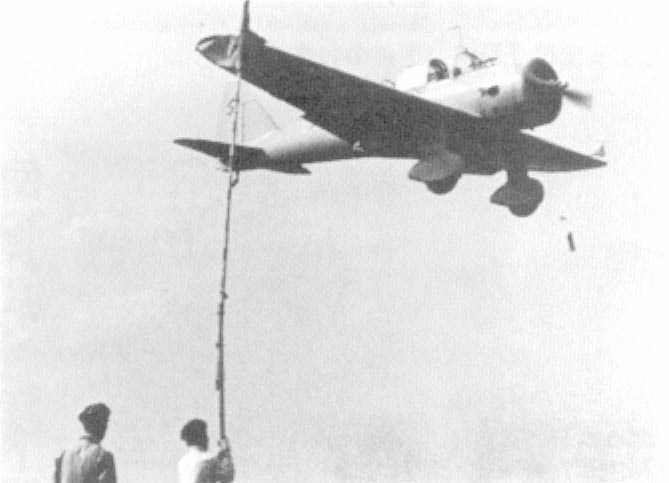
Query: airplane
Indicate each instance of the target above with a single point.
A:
(470, 116)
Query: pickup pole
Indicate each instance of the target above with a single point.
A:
(233, 178)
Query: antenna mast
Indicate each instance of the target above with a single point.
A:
(233, 178)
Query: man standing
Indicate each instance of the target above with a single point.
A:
(88, 461)
(198, 465)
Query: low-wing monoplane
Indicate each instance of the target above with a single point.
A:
(469, 116)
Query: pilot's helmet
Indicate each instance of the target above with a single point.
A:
(437, 70)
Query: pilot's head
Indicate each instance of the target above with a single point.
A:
(437, 70)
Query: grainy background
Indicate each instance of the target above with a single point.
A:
(376, 332)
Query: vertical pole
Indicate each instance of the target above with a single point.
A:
(233, 178)
(220, 379)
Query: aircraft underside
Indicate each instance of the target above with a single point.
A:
(287, 151)
(472, 121)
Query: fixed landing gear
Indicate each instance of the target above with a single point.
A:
(521, 194)
(443, 186)
(534, 192)
(524, 210)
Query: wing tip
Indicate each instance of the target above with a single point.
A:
(594, 163)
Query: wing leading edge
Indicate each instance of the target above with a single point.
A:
(352, 108)
(542, 155)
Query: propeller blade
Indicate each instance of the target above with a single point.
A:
(582, 99)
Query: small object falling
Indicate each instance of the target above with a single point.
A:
(570, 236)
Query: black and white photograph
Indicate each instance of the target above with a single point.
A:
(334, 241)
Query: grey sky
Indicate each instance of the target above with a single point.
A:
(376, 331)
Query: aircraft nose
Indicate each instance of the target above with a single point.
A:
(541, 76)
(540, 72)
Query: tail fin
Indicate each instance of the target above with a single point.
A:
(256, 121)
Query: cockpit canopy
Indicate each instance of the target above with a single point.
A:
(421, 74)
(436, 69)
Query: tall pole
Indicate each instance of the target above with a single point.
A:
(233, 178)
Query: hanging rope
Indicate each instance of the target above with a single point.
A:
(233, 179)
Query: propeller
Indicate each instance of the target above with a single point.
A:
(539, 73)
(580, 98)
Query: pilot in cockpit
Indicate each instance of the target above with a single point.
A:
(437, 71)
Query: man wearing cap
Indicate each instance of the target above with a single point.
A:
(88, 461)
(198, 465)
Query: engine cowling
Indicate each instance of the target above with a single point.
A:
(533, 100)
(542, 93)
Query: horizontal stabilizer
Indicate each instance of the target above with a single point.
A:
(247, 157)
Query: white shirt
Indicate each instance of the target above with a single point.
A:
(191, 465)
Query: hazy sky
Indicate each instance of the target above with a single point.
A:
(375, 332)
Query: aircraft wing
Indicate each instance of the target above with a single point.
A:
(352, 108)
(541, 155)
